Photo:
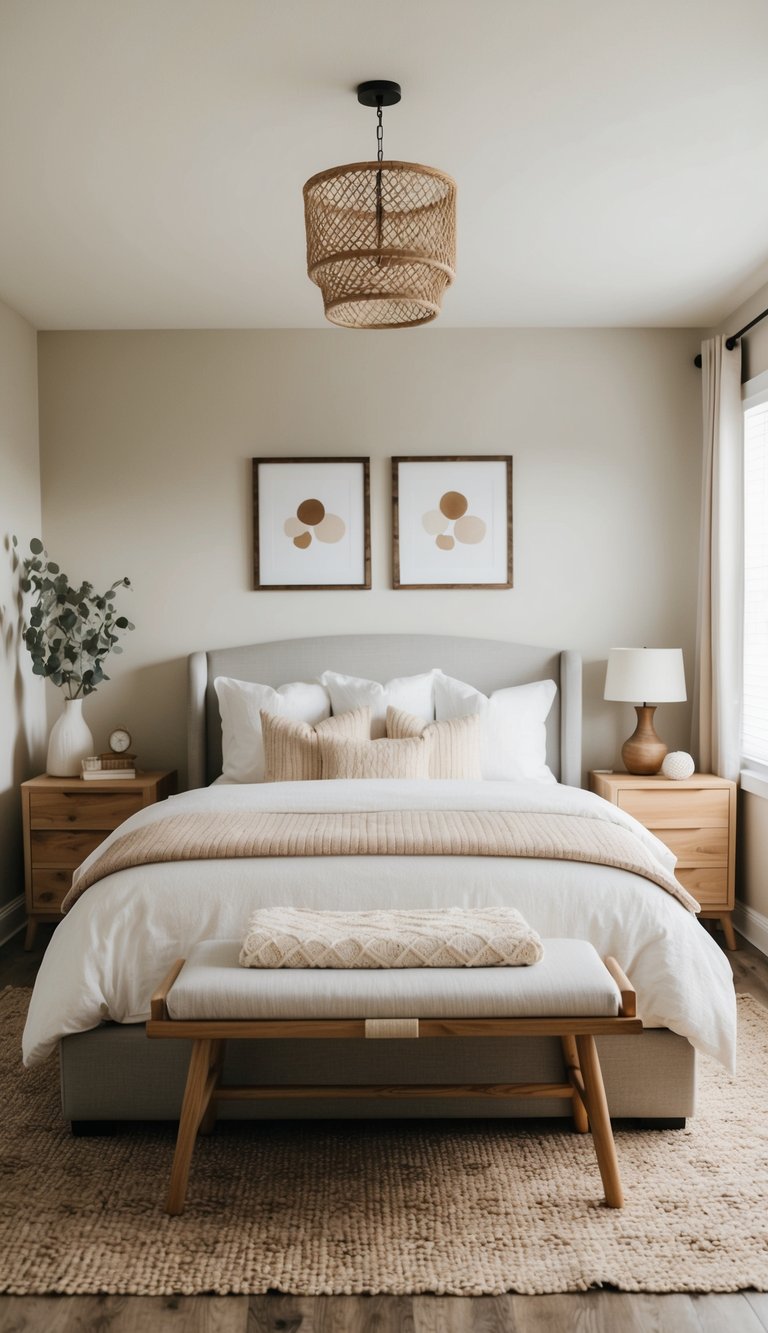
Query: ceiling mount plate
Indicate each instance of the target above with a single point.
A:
(378, 92)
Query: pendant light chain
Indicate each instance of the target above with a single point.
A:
(379, 158)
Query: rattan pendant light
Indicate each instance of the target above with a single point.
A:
(381, 236)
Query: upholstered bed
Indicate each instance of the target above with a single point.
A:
(117, 940)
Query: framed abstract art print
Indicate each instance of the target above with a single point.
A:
(452, 522)
(311, 523)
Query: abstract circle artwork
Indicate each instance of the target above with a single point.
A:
(313, 520)
(450, 522)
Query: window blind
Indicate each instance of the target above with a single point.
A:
(754, 743)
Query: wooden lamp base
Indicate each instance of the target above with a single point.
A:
(643, 753)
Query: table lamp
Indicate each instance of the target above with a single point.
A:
(645, 673)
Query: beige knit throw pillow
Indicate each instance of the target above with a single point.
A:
(292, 749)
(454, 744)
(374, 759)
(453, 937)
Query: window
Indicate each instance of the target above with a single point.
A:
(754, 745)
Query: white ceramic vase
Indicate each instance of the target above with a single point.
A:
(69, 742)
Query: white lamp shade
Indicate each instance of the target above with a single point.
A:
(645, 675)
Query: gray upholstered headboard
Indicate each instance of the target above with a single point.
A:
(485, 663)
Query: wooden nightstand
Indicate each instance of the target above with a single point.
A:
(696, 818)
(65, 819)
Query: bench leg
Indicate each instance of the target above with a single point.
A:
(599, 1119)
(571, 1057)
(201, 1081)
(208, 1122)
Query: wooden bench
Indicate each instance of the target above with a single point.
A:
(570, 994)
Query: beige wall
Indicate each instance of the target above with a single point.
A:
(146, 443)
(22, 714)
(753, 858)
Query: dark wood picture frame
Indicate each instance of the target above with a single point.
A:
(397, 581)
(365, 465)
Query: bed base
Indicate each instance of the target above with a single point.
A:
(114, 1074)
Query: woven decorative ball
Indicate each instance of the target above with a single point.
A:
(678, 765)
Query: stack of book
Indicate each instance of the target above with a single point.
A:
(108, 767)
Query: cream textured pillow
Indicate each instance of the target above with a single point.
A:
(292, 749)
(374, 759)
(240, 705)
(454, 745)
(413, 693)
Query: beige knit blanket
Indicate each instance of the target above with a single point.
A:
(451, 937)
(256, 833)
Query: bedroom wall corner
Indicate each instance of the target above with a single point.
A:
(146, 442)
(22, 698)
(754, 348)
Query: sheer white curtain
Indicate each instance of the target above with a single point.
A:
(717, 688)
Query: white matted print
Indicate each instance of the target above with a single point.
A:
(311, 523)
(452, 522)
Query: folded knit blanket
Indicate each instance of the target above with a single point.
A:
(217, 834)
(455, 937)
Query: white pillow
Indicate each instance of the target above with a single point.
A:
(513, 740)
(411, 694)
(240, 703)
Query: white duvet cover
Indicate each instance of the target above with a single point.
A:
(118, 941)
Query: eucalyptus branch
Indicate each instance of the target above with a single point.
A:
(71, 630)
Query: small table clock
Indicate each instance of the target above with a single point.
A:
(118, 755)
(120, 740)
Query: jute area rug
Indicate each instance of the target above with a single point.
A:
(459, 1208)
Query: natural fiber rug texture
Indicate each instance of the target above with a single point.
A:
(460, 1208)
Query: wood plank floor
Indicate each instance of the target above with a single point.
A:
(591, 1312)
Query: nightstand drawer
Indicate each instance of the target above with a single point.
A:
(708, 884)
(696, 846)
(88, 809)
(64, 820)
(50, 888)
(62, 847)
(696, 818)
(677, 809)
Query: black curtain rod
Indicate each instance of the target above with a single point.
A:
(734, 338)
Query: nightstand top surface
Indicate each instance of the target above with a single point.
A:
(638, 780)
(148, 779)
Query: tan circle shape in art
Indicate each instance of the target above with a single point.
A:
(453, 504)
(303, 540)
(434, 521)
(331, 529)
(293, 527)
(470, 529)
(445, 542)
(311, 512)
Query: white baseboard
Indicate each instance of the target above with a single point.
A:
(13, 918)
(752, 925)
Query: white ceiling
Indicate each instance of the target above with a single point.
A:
(612, 155)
